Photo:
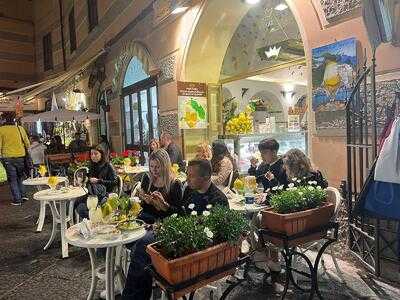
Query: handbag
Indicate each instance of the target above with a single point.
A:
(28, 164)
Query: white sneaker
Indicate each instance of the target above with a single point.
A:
(103, 293)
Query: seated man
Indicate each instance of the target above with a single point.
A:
(201, 192)
(270, 172)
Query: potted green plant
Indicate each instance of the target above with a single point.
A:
(191, 245)
(298, 209)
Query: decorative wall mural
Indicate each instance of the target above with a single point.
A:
(169, 123)
(259, 31)
(333, 69)
(335, 8)
(167, 68)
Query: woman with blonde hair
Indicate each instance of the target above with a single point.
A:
(160, 192)
(203, 151)
(161, 196)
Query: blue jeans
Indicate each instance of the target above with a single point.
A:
(15, 169)
(138, 285)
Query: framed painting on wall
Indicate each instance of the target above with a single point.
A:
(333, 69)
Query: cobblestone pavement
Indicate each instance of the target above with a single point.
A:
(28, 272)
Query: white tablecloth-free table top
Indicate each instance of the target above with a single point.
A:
(132, 170)
(98, 241)
(40, 181)
(59, 195)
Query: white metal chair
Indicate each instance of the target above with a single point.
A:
(337, 199)
(120, 185)
(229, 184)
(80, 172)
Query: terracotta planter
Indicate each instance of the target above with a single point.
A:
(190, 266)
(293, 223)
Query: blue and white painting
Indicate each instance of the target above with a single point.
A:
(333, 69)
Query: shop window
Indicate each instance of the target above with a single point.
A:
(140, 107)
(92, 14)
(47, 52)
(72, 31)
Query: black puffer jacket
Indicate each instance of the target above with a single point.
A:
(105, 172)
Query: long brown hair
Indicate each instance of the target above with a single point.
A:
(297, 164)
(219, 151)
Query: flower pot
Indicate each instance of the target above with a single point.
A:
(297, 222)
(190, 266)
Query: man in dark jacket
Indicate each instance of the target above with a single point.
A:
(270, 172)
(175, 154)
(200, 191)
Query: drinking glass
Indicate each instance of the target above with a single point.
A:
(92, 202)
(52, 182)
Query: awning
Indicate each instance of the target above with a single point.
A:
(45, 85)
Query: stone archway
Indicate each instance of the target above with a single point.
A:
(128, 51)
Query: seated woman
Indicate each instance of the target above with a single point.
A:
(297, 165)
(153, 146)
(222, 164)
(56, 146)
(160, 192)
(102, 179)
(161, 196)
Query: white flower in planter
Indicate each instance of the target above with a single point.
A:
(206, 213)
(209, 233)
(275, 188)
(194, 213)
(209, 206)
(280, 187)
(174, 215)
(298, 180)
(319, 188)
(301, 193)
(191, 206)
(311, 188)
(294, 179)
(290, 185)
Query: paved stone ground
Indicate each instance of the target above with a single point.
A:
(28, 272)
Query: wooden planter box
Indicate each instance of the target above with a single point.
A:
(190, 266)
(297, 222)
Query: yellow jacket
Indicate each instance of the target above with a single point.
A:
(11, 144)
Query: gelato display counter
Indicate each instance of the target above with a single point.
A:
(246, 146)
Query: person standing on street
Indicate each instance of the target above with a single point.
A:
(13, 142)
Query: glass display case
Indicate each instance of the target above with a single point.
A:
(246, 146)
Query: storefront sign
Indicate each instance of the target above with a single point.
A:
(294, 123)
(192, 105)
(268, 127)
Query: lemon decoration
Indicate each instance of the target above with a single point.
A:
(42, 170)
(175, 169)
(106, 209)
(52, 181)
(135, 209)
(238, 185)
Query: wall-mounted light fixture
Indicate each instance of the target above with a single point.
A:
(178, 7)
(289, 97)
(280, 7)
(251, 2)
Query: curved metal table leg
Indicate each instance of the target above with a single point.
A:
(63, 222)
(93, 283)
(42, 215)
(110, 257)
(316, 263)
(288, 262)
(54, 229)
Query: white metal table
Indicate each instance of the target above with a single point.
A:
(61, 198)
(39, 183)
(98, 241)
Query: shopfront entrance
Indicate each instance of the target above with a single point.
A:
(139, 108)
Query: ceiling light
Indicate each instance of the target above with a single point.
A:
(179, 9)
(281, 7)
(251, 1)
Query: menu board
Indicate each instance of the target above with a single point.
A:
(192, 105)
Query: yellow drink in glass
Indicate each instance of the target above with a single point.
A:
(52, 182)
(42, 170)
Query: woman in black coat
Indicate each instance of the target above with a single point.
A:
(102, 179)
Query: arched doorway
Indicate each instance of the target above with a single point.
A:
(247, 49)
(139, 107)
